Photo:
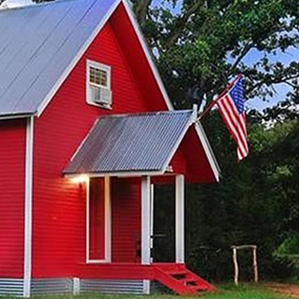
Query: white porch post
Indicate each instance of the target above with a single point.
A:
(152, 219)
(146, 227)
(179, 219)
(28, 208)
(145, 220)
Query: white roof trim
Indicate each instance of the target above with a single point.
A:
(205, 144)
(15, 116)
(177, 145)
(134, 22)
(208, 150)
(147, 54)
(67, 71)
(131, 173)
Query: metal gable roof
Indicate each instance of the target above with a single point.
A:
(131, 143)
(39, 43)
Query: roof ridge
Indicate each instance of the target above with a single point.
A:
(34, 5)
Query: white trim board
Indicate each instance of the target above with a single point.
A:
(147, 53)
(145, 220)
(67, 71)
(108, 232)
(28, 207)
(124, 174)
(177, 145)
(141, 39)
(180, 219)
(14, 116)
(208, 150)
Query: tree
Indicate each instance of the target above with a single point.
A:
(204, 44)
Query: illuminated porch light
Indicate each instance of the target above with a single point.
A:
(80, 179)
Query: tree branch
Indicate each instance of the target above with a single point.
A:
(176, 33)
(142, 10)
(274, 81)
(244, 52)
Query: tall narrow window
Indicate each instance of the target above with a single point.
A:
(98, 86)
(98, 221)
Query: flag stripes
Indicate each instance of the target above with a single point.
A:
(233, 114)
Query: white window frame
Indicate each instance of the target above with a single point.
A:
(107, 195)
(102, 67)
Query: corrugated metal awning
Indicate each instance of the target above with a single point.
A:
(136, 143)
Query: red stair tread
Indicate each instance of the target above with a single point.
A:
(176, 273)
(188, 280)
(167, 276)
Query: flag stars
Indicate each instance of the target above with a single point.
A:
(236, 93)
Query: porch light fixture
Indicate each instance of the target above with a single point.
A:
(80, 179)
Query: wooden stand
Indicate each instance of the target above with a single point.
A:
(235, 260)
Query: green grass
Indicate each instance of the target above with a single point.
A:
(228, 291)
(245, 291)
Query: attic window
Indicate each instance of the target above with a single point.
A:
(99, 84)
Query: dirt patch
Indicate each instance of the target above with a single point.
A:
(290, 290)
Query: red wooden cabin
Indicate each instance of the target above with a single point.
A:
(86, 131)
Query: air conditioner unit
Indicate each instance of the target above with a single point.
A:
(101, 96)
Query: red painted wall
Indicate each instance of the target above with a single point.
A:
(12, 193)
(97, 219)
(59, 204)
(126, 220)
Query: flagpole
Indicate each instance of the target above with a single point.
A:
(213, 103)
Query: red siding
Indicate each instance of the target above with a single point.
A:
(12, 194)
(198, 169)
(59, 205)
(142, 73)
(126, 220)
(97, 219)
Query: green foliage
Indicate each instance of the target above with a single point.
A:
(204, 43)
(288, 252)
(256, 202)
(290, 246)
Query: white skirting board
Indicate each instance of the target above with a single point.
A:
(111, 286)
(11, 287)
(70, 286)
(53, 286)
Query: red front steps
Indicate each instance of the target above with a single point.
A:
(180, 280)
(174, 276)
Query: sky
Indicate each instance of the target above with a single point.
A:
(281, 90)
(15, 3)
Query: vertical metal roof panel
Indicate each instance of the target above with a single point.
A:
(38, 43)
(137, 143)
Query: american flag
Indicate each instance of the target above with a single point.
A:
(232, 109)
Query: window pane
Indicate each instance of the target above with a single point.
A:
(98, 76)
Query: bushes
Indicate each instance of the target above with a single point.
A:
(256, 202)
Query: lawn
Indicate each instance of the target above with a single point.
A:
(228, 291)
(246, 291)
